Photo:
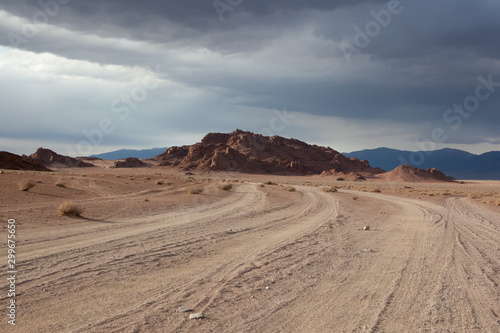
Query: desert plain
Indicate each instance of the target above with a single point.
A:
(253, 253)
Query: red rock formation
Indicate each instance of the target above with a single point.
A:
(15, 162)
(253, 153)
(52, 159)
(130, 162)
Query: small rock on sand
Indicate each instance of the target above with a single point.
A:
(183, 309)
(367, 227)
(198, 315)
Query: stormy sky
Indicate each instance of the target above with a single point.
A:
(86, 76)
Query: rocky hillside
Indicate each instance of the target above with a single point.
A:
(15, 162)
(253, 153)
(52, 159)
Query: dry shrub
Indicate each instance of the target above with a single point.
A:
(262, 185)
(60, 183)
(474, 196)
(146, 178)
(290, 189)
(26, 185)
(330, 189)
(160, 182)
(270, 183)
(354, 198)
(376, 190)
(195, 190)
(69, 209)
(224, 187)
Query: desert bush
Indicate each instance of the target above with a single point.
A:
(270, 183)
(195, 190)
(160, 182)
(376, 190)
(26, 185)
(474, 196)
(69, 209)
(83, 175)
(290, 189)
(354, 198)
(262, 185)
(224, 186)
(60, 183)
(330, 189)
(146, 178)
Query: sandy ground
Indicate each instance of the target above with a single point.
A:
(257, 258)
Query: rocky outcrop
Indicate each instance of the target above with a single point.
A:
(52, 159)
(131, 162)
(254, 153)
(15, 162)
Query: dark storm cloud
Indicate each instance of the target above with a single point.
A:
(269, 54)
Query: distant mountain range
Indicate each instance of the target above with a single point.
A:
(125, 153)
(453, 162)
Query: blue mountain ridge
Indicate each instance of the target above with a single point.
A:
(453, 162)
(124, 153)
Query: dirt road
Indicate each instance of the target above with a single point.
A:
(288, 262)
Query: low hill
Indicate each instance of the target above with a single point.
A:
(131, 162)
(52, 159)
(408, 173)
(11, 161)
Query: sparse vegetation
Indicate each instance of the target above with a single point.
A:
(60, 183)
(224, 186)
(330, 189)
(146, 178)
(195, 190)
(290, 189)
(354, 198)
(26, 185)
(69, 209)
(376, 190)
(270, 183)
(160, 182)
